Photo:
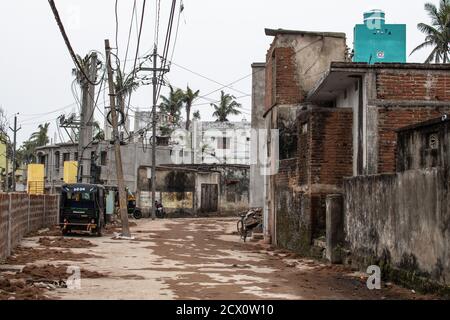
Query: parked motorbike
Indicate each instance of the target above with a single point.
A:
(160, 212)
(249, 221)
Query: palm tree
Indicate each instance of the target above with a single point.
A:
(172, 105)
(124, 86)
(438, 33)
(189, 97)
(40, 137)
(227, 106)
(25, 154)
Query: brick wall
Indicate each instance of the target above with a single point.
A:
(331, 146)
(392, 118)
(324, 158)
(21, 214)
(413, 86)
(287, 88)
(4, 224)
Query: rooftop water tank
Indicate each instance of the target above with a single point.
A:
(375, 19)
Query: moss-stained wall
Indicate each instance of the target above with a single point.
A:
(401, 221)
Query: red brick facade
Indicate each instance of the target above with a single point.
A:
(283, 88)
(413, 86)
(324, 149)
(325, 146)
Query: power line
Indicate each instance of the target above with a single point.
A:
(176, 32)
(117, 26)
(129, 35)
(166, 47)
(66, 40)
(207, 78)
(157, 17)
(137, 49)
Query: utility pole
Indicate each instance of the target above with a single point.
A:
(116, 136)
(86, 122)
(14, 153)
(155, 83)
(155, 88)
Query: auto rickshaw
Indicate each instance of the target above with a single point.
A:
(82, 208)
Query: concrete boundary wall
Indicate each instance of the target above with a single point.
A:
(401, 221)
(20, 214)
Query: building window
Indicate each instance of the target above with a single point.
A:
(75, 156)
(103, 158)
(288, 141)
(57, 158)
(223, 143)
(66, 157)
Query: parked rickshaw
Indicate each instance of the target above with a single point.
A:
(82, 208)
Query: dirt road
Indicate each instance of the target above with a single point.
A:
(195, 259)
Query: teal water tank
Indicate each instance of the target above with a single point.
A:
(375, 41)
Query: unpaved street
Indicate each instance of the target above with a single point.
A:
(195, 259)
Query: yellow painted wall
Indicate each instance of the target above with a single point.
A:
(70, 171)
(2, 155)
(35, 184)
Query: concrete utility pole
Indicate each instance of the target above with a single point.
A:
(14, 152)
(155, 83)
(86, 124)
(116, 136)
(155, 88)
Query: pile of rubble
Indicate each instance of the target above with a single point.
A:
(32, 281)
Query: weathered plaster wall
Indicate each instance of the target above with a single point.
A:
(257, 137)
(295, 62)
(415, 150)
(401, 221)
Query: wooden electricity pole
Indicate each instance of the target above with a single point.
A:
(116, 137)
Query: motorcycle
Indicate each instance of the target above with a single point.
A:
(133, 210)
(160, 212)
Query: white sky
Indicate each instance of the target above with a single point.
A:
(218, 39)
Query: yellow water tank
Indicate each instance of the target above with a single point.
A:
(70, 171)
(35, 183)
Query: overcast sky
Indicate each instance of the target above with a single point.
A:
(217, 39)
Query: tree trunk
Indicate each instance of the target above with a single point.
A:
(188, 117)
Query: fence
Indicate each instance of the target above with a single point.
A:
(20, 214)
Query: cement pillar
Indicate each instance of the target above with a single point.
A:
(334, 227)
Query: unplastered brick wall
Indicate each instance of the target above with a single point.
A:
(414, 85)
(324, 158)
(392, 118)
(20, 214)
(282, 86)
(331, 145)
(325, 146)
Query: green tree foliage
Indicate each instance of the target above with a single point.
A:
(437, 34)
(227, 106)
